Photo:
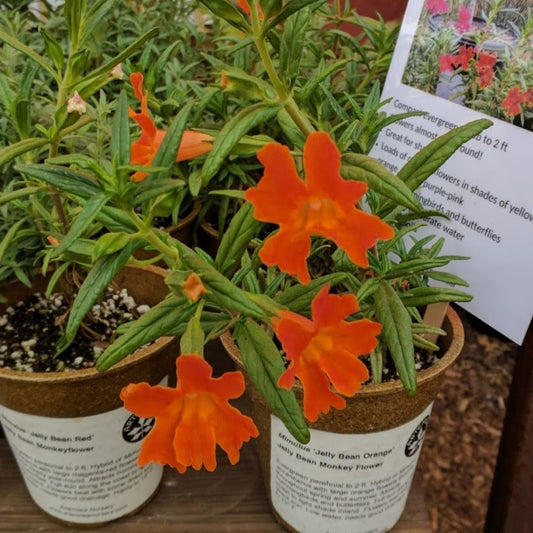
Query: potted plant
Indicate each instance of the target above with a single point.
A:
(55, 408)
(331, 295)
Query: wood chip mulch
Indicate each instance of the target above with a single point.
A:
(461, 446)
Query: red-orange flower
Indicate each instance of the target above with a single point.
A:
(323, 352)
(191, 419)
(512, 101)
(485, 68)
(463, 57)
(192, 144)
(323, 204)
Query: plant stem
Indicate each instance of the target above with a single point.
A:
(284, 96)
(148, 233)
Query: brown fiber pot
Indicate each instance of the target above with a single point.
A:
(68, 413)
(375, 413)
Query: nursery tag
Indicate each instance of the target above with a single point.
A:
(82, 470)
(341, 483)
(448, 64)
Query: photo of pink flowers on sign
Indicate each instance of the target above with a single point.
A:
(478, 54)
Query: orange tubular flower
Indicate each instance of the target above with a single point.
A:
(323, 204)
(193, 143)
(323, 352)
(191, 419)
(193, 287)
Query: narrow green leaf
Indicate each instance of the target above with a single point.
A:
(292, 43)
(228, 11)
(298, 297)
(120, 138)
(86, 217)
(130, 50)
(419, 296)
(9, 236)
(109, 243)
(53, 48)
(29, 52)
(360, 167)
(65, 179)
(429, 159)
(10, 152)
(396, 334)
(8, 197)
(264, 366)
(97, 280)
(167, 152)
(232, 132)
(160, 320)
(240, 232)
(292, 7)
(192, 340)
(446, 277)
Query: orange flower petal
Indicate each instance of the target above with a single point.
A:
(323, 352)
(192, 418)
(323, 205)
(193, 144)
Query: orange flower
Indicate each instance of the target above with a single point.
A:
(191, 419)
(193, 287)
(192, 145)
(323, 204)
(323, 352)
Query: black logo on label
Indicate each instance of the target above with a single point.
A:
(417, 437)
(135, 428)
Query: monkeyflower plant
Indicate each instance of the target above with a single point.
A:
(319, 277)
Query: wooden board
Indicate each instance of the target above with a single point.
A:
(232, 499)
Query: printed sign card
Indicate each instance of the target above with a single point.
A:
(457, 61)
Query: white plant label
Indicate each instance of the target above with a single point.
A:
(82, 470)
(485, 188)
(342, 483)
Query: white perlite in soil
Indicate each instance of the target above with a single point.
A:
(30, 331)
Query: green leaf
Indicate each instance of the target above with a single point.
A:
(425, 162)
(132, 48)
(86, 217)
(292, 43)
(120, 138)
(231, 134)
(292, 7)
(396, 334)
(9, 236)
(10, 152)
(192, 340)
(220, 290)
(298, 297)
(446, 277)
(240, 232)
(419, 296)
(97, 280)
(360, 167)
(109, 243)
(160, 320)
(167, 152)
(74, 11)
(412, 267)
(29, 52)
(264, 366)
(227, 11)
(429, 159)
(65, 179)
(8, 197)
(94, 16)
